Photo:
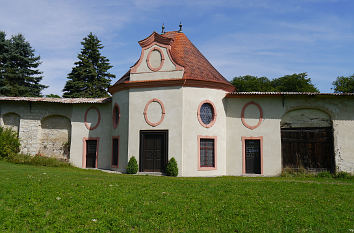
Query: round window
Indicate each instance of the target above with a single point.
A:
(206, 114)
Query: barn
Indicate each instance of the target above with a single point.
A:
(173, 103)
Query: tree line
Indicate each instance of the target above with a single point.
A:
(289, 83)
(90, 77)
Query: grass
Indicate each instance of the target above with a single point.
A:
(36, 160)
(59, 199)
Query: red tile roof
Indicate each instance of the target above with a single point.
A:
(58, 100)
(185, 54)
(196, 66)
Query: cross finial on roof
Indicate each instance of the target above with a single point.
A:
(163, 29)
(180, 27)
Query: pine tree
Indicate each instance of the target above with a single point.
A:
(89, 77)
(19, 75)
(4, 47)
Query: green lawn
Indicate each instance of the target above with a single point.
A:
(70, 199)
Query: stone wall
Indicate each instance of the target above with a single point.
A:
(12, 121)
(26, 117)
(52, 129)
(55, 137)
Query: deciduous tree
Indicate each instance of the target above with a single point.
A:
(249, 83)
(288, 83)
(344, 84)
(294, 83)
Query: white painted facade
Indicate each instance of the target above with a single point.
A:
(174, 109)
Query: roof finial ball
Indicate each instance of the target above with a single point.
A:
(163, 29)
(180, 27)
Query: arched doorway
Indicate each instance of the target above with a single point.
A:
(55, 137)
(307, 140)
(12, 121)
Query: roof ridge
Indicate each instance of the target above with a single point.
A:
(185, 54)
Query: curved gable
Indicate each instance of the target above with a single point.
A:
(171, 59)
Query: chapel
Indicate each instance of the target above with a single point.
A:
(173, 103)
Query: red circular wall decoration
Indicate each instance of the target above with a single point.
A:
(162, 114)
(148, 59)
(214, 114)
(116, 110)
(243, 115)
(90, 127)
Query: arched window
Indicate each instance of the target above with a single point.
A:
(115, 116)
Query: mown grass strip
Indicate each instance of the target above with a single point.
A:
(69, 199)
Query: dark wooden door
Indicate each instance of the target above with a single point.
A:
(253, 156)
(91, 152)
(153, 151)
(309, 148)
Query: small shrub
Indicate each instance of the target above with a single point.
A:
(132, 167)
(343, 175)
(9, 143)
(324, 174)
(171, 168)
(19, 158)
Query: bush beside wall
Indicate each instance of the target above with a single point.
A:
(9, 143)
(10, 148)
(171, 168)
(132, 167)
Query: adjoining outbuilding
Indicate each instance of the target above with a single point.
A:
(173, 103)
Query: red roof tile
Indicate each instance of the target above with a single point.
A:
(58, 100)
(185, 54)
(196, 66)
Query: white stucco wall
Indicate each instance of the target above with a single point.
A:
(269, 129)
(31, 133)
(171, 97)
(121, 98)
(103, 132)
(274, 108)
(181, 121)
(167, 71)
(192, 97)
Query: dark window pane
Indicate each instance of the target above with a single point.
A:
(206, 113)
(115, 152)
(253, 156)
(116, 115)
(91, 153)
(207, 156)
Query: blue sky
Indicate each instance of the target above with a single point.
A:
(258, 37)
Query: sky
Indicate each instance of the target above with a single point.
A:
(269, 38)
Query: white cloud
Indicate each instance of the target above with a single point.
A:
(56, 28)
(260, 37)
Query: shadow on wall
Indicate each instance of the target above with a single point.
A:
(12, 121)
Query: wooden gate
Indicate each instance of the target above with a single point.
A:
(153, 151)
(309, 148)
